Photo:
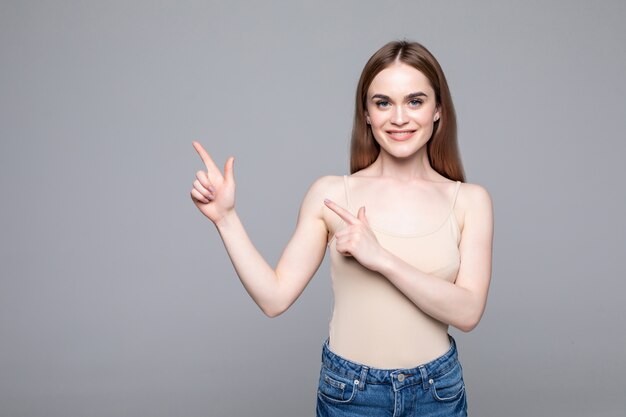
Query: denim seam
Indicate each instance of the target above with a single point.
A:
(448, 399)
(339, 371)
(352, 395)
(445, 371)
(334, 383)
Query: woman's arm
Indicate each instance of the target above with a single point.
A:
(275, 290)
(460, 304)
(272, 290)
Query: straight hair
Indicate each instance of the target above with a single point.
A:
(442, 148)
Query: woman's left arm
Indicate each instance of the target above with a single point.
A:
(460, 304)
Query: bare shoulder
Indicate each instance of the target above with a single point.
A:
(474, 201)
(327, 186)
(474, 194)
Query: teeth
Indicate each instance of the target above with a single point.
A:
(401, 135)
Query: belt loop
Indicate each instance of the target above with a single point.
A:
(361, 384)
(424, 374)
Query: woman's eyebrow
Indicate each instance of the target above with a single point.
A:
(407, 97)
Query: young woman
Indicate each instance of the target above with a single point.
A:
(410, 245)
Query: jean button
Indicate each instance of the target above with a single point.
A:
(401, 377)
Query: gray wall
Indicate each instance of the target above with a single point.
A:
(117, 297)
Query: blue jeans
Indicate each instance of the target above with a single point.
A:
(349, 389)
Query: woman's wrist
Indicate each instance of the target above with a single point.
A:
(383, 261)
(226, 220)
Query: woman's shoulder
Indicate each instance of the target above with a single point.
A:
(473, 194)
(471, 200)
(328, 184)
(474, 201)
(328, 179)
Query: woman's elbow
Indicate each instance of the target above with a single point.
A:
(273, 311)
(468, 326)
(271, 315)
(469, 322)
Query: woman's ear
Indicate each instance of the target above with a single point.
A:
(437, 114)
(367, 117)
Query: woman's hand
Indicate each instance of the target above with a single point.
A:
(212, 193)
(357, 239)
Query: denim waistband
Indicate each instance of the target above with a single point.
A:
(399, 378)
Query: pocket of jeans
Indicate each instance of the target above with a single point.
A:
(449, 386)
(336, 388)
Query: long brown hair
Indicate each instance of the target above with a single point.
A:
(442, 148)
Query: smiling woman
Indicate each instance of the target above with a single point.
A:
(417, 262)
(442, 148)
(396, 117)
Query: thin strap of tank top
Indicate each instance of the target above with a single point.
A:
(456, 193)
(340, 221)
(345, 183)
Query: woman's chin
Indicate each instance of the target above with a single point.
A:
(405, 152)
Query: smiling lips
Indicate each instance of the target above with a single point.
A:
(400, 135)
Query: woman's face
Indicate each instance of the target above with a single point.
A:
(401, 107)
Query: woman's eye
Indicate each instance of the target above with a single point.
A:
(382, 103)
(415, 102)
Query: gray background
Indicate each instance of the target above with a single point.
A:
(117, 297)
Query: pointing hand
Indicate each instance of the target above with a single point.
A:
(212, 193)
(357, 239)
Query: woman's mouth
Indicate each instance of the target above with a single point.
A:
(400, 135)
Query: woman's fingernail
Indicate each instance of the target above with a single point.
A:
(326, 201)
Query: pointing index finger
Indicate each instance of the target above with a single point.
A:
(341, 212)
(206, 158)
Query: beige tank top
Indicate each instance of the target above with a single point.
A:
(372, 322)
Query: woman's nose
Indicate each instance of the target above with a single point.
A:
(399, 116)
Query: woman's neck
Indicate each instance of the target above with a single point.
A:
(415, 167)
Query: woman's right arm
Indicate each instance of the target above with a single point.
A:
(273, 290)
